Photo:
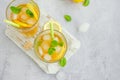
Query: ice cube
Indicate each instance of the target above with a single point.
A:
(45, 46)
(31, 21)
(47, 57)
(84, 27)
(58, 49)
(15, 16)
(56, 38)
(40, 51)
(24, 17)
(46, 37)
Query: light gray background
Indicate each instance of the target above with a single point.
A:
(99, 55)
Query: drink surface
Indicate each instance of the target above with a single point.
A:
(43, 45)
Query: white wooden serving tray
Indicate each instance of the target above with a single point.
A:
(20, 40)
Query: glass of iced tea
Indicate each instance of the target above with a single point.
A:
(24, 14)
(48, 49)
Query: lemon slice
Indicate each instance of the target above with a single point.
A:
(56, 26)
(22, 24)
(31, 7)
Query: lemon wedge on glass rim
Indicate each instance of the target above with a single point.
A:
(56, 26)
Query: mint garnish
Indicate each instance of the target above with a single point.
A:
(67, 18)
(54, 43)
(51, 50)
(86, 3)
(29, 13)
(63, 62)
(15, 10)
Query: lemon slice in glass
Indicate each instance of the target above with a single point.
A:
(56, 26)
(31, 7)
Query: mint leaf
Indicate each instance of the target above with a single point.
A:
(15, 10)
(61, 43)
(86, 3)
(54, 43)
(67, 18)
(63, 62)
(51, 50)
(29, 13)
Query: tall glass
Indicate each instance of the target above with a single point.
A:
(27, 18)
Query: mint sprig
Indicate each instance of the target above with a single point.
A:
(67, 18)
(63, 62)
(54, 43)
(29, 13)
(15, 10)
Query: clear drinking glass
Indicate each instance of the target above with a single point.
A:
(28, 24)
(42, 45)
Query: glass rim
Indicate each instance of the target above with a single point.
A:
(34, 25)
(64, 40)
